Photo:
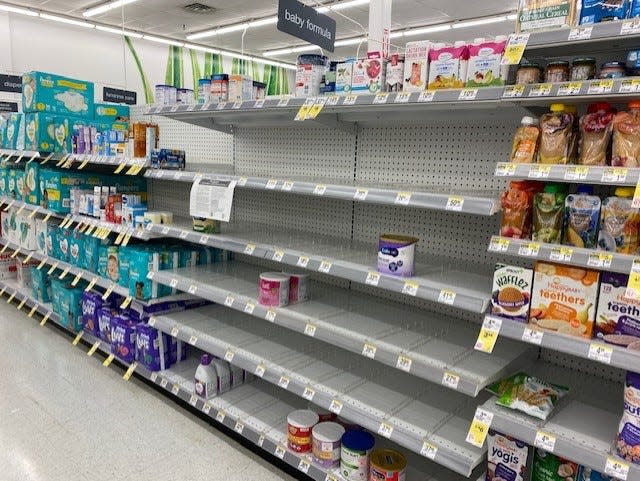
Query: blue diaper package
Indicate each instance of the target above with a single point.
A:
(634, 10)
(63, 237)
(111, 113)
(105, 315)
(71, 307)
(123, 337)
(13, 137)
(596, 11)
(123, 265)
(91, 247)
(144, 259)
(148, 348)
(41, 285)
(91, 304)
(76, 248)
(108, 264)
(46, 92)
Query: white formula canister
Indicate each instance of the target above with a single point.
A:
(354, 455)
(273, 289)
(309, 71)
(326, 443)
(299, 426)
(298, 287)
(166, 94)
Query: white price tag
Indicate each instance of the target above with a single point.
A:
(576, 173)
(369, 350)
(545, 441)
(249, 249)
(404, 363)
(280, 452)
(320, 189)
(303, 261)
(239, 427)
(614, 175)
(242, 181)
(540, 90)
(310, 330)
(220, 416)
(184, 234)
(468, 94)
(173, 283)
(403, 198)
(175, 389)
(333, 100)
(277, 256)
(571, 88)
(193, 340)
(304, 466)
(479, 427)
(599, 260)
(271, 315)
(193, 400)
(530, 249)
(604, 86)
(385, 430)
(260, 370)
(261, 440)
(427, 96)
(498, 244)
(228, 301)
(361, 194)
(630, 27)
(428, 450)
(561, 254)
(532, 336)
(237, 105)
(325, 266)
(617, 468)
(154, 376)
(350, 100)
(283, 102)
(373, 278)
(513, 91)
(336, 406)
(259, 104)
(381, 98)
(165, 230)
(308, 393)
(193, 289)
(539, 171)
(206, 408)
(249, 307)
(410, 288)
(271, 184)
(283, 382)
(580, 33)
(450, 380)
(175, 331)
(287, 185)
(628, 86)
(402, 97)
(228, 356)
(447, 296)
(164, 382)
(600, 352)
(455, 203)
(505, 169)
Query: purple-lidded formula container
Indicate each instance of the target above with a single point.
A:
(91, 304)
(123, 338)
(325, 442)
(396, 254)
(148, 348)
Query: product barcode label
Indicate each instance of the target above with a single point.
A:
(447, 296)
(270, 315)
(600, 352)
(571, 88)
(304, 465)
(283, 382)
(513, 91)
(450, 380)
(545, 441)
(576, 173)
(561, 254)
(530, 249)
(373, 278)
(381, 98)
(428, 450)
(335, 406)
(271, 184)
(260, 370)
(249, 249)
(308, 393)
(479, 427)
(540, 90)
(320, 189)
(580, 33)
(410, 288)
(505, 169)
(532, 336)
(426, 96)
(325, 266)
(539, 171)
(617, 468)
(287, 185)
(498, 244)
(403, 198)
(404, 363)
(598, 259)
(385, 430)
(369, 350)
(600, 86)
(303, 261)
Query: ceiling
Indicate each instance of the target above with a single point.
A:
(169, 18)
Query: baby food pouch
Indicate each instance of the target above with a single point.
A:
(563, 299)
(549, 467)
(484, 63)
(517, 209)
(627, 440)
(595, 133)
(556, 136)
(582, 218)
(506, 456)
(548, 209)
(525, 142)
(619, 223)
(446, 66)
(618, 317)
(587, 474)
(626, 137)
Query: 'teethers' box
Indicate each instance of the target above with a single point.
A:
(618, 318)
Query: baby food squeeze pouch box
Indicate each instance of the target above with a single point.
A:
(446, 66)
(484, 63)
(416, 62)
(549, 467)
(564, 299)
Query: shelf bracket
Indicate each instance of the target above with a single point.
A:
(333, 121)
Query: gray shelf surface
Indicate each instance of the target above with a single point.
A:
(581, 174)
(52, 159)
(578, 346)
(388, 332)
(479, 203)
(558, 253)
(343, 259)
(584, 423)
(412, 413)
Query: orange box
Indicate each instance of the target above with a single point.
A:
(564, 299)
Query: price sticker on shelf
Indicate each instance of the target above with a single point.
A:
(455, 203)
(15, 253)
(270, 315)
(11, 297)
(53, 268)
(532, 336)
(614, 175)
(426, 96)
(76, 279)
(479, 427)
(404, 363)
(280, 451)
(20, 209)
(325, 266)
(580, 33)
(175, 330)
(447, 296)
(304, 109)
(193, 340)
(629, 86)
(249, 307)
(303, 261)
(369, 350)
(91, 284)
(33, 310)
(192, 289)
(6, 246)
(316, 108)
(320, 189)
(34, 212)
(154, 377)
(335, 406)
(164, 382)
(283, 102)
(468, 94)
(28, 258)
(630, 27)
(308, 393)
(259, 103)
(402, 97)
(260, 370)
(237, 105)
(304, 465)
(545, 441)
(530, 249)
(333, 100)
(350, 100)
(261, 440)
(579, 172)
(120, 168)
(597, 87)
(287, 185)
(183, 234)
(617, 468)
(540, 90)
(109, 359)
(108, 292)
(228, 301)
(9, 205)
(450, 380)
(561, 254)
(84, 163)
(175, 389)
(539, 171)
(283, 382)
(22, 303)
(570, 88)
(373, 278)
(220, 415)
(271, 184)
(360, 194)
(599, 259)
(488, 334)
(278, 255)
(635, 203)
(402, 198)
(600, 352)
(515, 48)
(249, 249)
(126, 302)
(193, 400)
(381, 98)
(93, 349)
(513, 91)
(428, 450)
(206, 408)
(119, 238)
(47, 159)
(45, 318)
(228, 356)
(498, 244)
(505, 169)
(64, 272)
(385, 430)
(238, 427)
(410, 288)
(310, 330)
(42, 263)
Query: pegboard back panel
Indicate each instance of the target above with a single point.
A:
(201, 145)
(317, 152)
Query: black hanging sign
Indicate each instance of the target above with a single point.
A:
(10, 83)
(8, 106)
(304, 22)
(119, 96)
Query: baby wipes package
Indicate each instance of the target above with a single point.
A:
(45, 92)
(416, 63)
(111, 113)
(564, 299)
(618, 317)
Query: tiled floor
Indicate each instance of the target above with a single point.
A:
(65, 417)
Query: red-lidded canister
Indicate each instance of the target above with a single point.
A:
(299, 425)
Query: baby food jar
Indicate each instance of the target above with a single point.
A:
(528, 73)
(583, 69)
(557, 72)
(612, 70)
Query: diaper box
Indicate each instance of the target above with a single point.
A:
(41, 285)
(123, 338)
(63, 237)
(18, 175)
(27, 235)
(148, 348)
(124, 255)
(56, 189)
(564, 299)
(110, 113)
(511, 293)
(23, 272)
(46, 236)
(76, 248)
(45, 92)
(67, 303)
(7, 266)
(143, 260)
(618, 318)
(4, 179)
(91, 304)
(92, 247)
(13, 137)
(10, 225)
(32, 188)
(41, 130)
(108, 263)
(106, 313)
(416, 63)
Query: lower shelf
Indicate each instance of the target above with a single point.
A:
(257, 411)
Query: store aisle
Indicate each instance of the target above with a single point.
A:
(63, 416)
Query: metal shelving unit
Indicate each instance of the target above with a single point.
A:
(352, 261)
(68, 160)
(479, 203)
(582, 427)
(422, 418)
(587, 258)
(582, 174)
(587, 90)
(431, 346)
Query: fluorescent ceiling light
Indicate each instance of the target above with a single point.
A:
(77, 23)
(512, 16)
(201, 48)
(342, 6)
(21, 11)
(419, 31)
(305, 48)
(106, 7)
(118, 31)
(264, 21)
(349, 41)
(232, 28)
(274, 53)
(163, 40)
(396, 34)
(480, 21)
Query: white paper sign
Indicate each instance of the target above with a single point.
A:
(212, 199)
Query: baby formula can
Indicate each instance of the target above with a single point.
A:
(387, 465)
(298, 287)
(396, 254)
(299, 425)
(354, 454)
(274, 289)
(326, 443)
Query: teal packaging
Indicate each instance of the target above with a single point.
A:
(32, 183)
(142, 260)
(123, 260)
(76, 248)
(69, 304)
(108, 264)
(91, 247)
(19, 184)
(41, 285)
(40, 132)
(57, 184)
(4, 179)
(63, 237)
(111, 113)
(57, 286)
(50, 231)
(11, 182)
(3, 128)
(45, 92)
(13, 137)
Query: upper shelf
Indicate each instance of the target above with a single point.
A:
(133, 166)
(478, 203)
(583, 174)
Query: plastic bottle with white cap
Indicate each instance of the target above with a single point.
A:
(206, 378)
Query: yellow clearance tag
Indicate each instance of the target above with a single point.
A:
(47, 217)
(77, 338)
(91, 284)
(45, 318)
(93, 349)
(126, 239)
(76, 279)
(515, 48)
(316, 108)
(129, 373)
(84, 163)
(479, 427)
(108, 292)
(33, 310)
(633, 285)
(635, 203)
(22, 303)
(126, 302)
(107, 362)
(304, 110)
(120, 168)
(11, 297)
(488, 334)
(119, 238)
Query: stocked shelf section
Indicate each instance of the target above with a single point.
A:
(570, 173)
(67, 160)
(542, 93)
(430, 346)
(609, 354)
(421, 417)
(479, 203)
(331, 256)
(587, 258)
(582, 427)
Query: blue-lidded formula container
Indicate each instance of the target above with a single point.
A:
(184, 96)
(166, 94)
(309, 72)
(204, 90)
(354, 455)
